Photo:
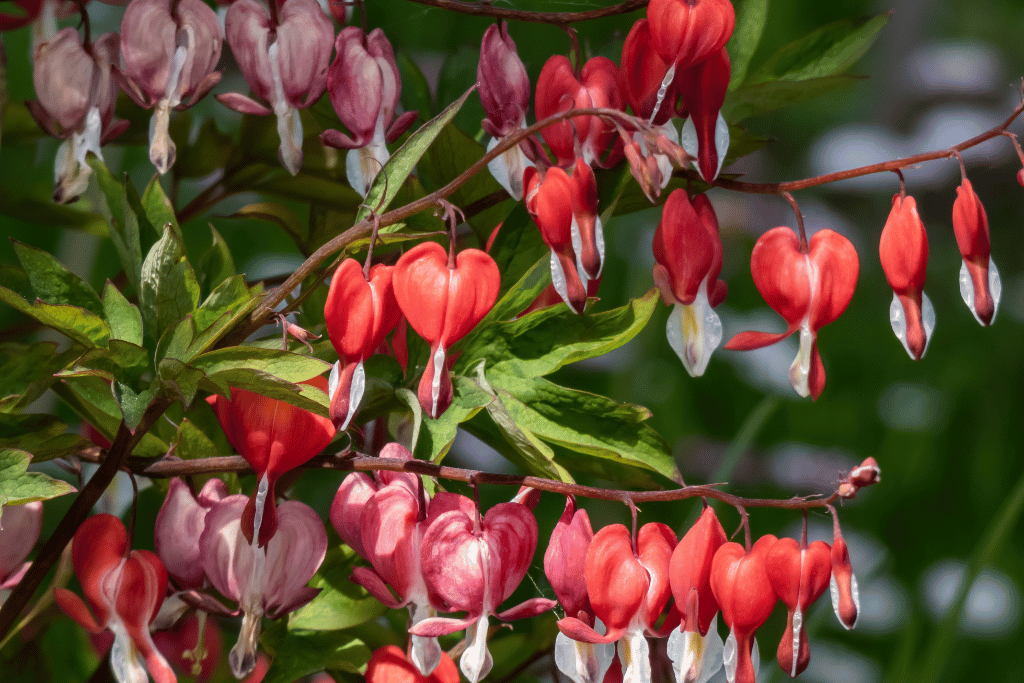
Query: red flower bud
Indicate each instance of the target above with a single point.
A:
(843, 586)
(903, 249)
(980, 285)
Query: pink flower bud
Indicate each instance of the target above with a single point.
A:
(565, 557)
(980, 285)
(502, 82)
(903, 250)
(179, 525)
(20, 526)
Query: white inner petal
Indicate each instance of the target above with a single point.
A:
(355, 394)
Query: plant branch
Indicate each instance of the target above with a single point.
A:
(486, 9)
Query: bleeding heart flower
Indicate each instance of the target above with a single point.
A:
(980, 285)
(705, 134)
(695, 647)
(808, 288)
(283, 56)
(688, 255)
(20, 526)
(686, 32)
(560, 89)
(799, 575)
(360, 311)
(843, 586)
(443, 298)
(192, 646)
(273, 437)
(642, 76)
(389, 665)
(903, 249)
(125, 591)
(628, 592)
(745, 596)
(267, 580)
(179, 524)
(170, 51)
(565, 210)
(474, 565)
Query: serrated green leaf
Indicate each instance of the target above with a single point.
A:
(585, 423)
(217, 264)
(290, 367)
(341, 603)
(751, 17)
(133, 405)
(299, 653)
(169, 287)
(545, 340)
(123, 317)
(158, 207)
(52, 282)
(399, 166)
(122, 220)
(762, 98)
(192, 443)
(19, 486)
(77, 323)
(827, 51)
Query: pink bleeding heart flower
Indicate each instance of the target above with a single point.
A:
(903, 250)
(77, 92)
(564, 208)
(179, 524)
(273, 437)
(688, 258)
(799, 574)
(443, 298)
(809, 288)
(20, 526)
(843, 585)
(125, 591)
(980, 285)
(705, 135)
(365, 86)
(170, 51)
(504, 90)
(283, 52)
(474, 565)
(745, 596)
(695, 647)
(389, 665)
(560, 89)
(628, 591)
(564, 565)
(360, 311)
(267, 580)
(686, 32)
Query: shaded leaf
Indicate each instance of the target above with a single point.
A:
(77, 323)
(158, 207)
(279, 214)
(341, 603)
(751, 16)
(298, 653)
(18, 486)
(217, 263)
(192, 443)
(93, 400)
(123, 317)
(169, 287)
(123, 223)
(27, 371)
(133, 405)
(302, 396)
(762, 98)
(52, 282)
(436, 436)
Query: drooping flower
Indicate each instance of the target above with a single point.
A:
(264, 580)
(688, 256)
(170, 51)
(360, 311)
(686, 32)
(808, 288)
(980, 285)
(20, 526)
(389, 665)
(283, 56)
(799, 574)
(903, 250)
(843, 585)
(443, 299)
(125, 591)
(474, 564)
(365, 86)
(179, 524)
(273, 437)
(705, 134)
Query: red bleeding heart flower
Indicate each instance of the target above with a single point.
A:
(843, 586)
(389, 665)
(705, 134)
(560, 89)
(809, 288)
(360, 311)
(688, 255)
(799, 574)
(273, 437)
(125, 591)
(695, 647)
(686, 32)
(903, 249)
(745, 596)
(642, 76)
(980, 285)
(443, 298)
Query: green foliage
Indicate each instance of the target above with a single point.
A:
(18, 486)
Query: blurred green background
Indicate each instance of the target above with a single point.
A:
(937, 545)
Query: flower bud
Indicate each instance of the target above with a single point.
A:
(705, 134)
(903, 250)
(502, 82)
(980, 285)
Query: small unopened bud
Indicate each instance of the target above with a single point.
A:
(864, 474)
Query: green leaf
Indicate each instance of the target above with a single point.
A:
(762, 98)
(521, 294)
(290, 367)
(179, 380)
(27, 372)
(545, 340)
(52, 282)
(299, 653)
(827, 51)
(169, 287)
(341, 603)
(303, 396)
(133, 405)
(19, 486)
(208, 153)
(77, 323)
(751, 16)
(192, 443)
(415, 89)
(585, 423)
(121, 361)
(158, 207)
(217, 263)
(436, 436)
(124, 317)
(93, 400)
(399, 166)
(123, 223)
(517, 246)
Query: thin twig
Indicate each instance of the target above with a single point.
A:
(487, 9)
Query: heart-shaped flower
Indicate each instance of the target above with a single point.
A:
(903, 250)
(443, 299)
(686, 32)
(179, 524)
(808, 288)
(798, 575)
(389, 665)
